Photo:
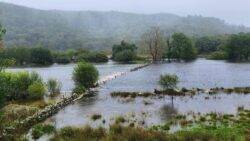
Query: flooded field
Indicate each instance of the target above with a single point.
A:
(153, 110)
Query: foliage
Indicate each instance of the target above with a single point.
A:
(4, 63)
(41, 129)
(238, 47)
(54, 87)
(218, 55)
(22, 55)
(41, 56)
(61, 57)
(79, 89)
(14, 86)
(168, 81)
(97, 57)
(36, 90)
(124, 52)
(85, 74)
(182, 47)
(208, 44)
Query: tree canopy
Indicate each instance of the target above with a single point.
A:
(125, 52)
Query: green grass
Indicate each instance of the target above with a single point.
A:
(41, 129)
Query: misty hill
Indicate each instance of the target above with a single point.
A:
(95, 30)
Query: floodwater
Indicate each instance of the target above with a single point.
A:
(153, 110)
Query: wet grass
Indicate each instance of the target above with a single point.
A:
(42, 129)
(208, 127)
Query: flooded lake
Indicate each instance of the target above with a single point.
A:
(200, 73)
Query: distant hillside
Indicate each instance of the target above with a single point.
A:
(95, 30)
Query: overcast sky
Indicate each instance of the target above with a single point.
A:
(232, 11)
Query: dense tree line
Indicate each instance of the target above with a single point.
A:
(238, 47)
(44, 56)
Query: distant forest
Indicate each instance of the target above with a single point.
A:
(62, 30)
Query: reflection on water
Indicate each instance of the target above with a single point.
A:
(200, 73)
(167, 111)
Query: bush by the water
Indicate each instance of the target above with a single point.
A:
(218, 55)
(54, 87)
(36, 90)
(21, 85)
(168, 81)
(97, 57)
(85, 74)
(124, 52)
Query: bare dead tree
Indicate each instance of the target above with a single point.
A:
(153, 41)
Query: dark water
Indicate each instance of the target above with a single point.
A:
(200, 73)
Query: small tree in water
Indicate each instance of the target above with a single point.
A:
(85, 75)
(168, 81)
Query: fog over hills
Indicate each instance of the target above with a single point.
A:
(97, 30)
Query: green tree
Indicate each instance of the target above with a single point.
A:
(124, 52)
(4, 63)
(85, 74)
(238, 47)
(168, 81)
(40, 55)
(20, 54)
(208, 44)
(182, 47)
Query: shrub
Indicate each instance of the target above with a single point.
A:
(218, 55)
(36, 90)
(15, 86)
(41, 129)
(125, 56)
(53, 86)
(85, 74)
(168, 81)
(79, 89)
(97, 57)
(124, 52)
(41, 56)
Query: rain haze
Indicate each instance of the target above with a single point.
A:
(232, 11)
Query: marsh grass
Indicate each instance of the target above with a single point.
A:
(42, 129)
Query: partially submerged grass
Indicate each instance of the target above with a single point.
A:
(42, 129)
(15, 112)
(213, 127)
(182, 92)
